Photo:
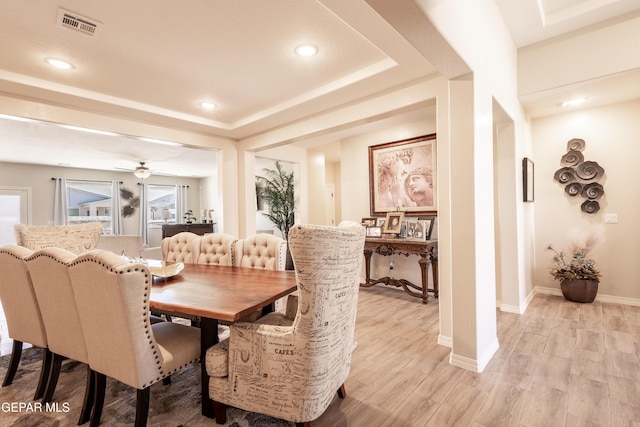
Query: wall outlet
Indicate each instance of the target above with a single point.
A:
(611, 218)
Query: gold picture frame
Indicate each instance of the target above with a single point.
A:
(393, 223)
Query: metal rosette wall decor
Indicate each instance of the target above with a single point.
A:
(579, 177)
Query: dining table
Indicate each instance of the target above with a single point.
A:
(209, 293)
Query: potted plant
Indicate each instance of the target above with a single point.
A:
(189, 217)
(577, 274)
(276, 190)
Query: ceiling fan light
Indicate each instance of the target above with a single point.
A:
(142, 171)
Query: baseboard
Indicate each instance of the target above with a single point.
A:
(599, 297)
(473, 364)
(445, 341)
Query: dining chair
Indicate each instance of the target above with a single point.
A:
(128, 348)
(291, 368)
(218, 249)
(49, 270)
(22, 313)
(76, 238)
(179, 247)
(263, 250)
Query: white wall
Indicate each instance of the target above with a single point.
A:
(611, 136)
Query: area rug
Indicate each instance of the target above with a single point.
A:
(173, 405)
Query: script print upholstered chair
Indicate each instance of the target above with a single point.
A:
(127, 348)
(22, 313)
(76, 238)
(179, 247)
(217, 249)
(291, 369)
(49, 270)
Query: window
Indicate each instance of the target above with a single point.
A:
(161, 205)
(90, 201)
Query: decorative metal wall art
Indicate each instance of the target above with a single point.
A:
(134, 202)
(580, 177)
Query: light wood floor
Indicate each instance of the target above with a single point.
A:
(559, 364)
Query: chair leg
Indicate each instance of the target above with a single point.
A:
(342, 392)
(16, 354)
(89, 396)
(45, 370)
(53, 378)
(220, 410)
(142, 407)
(98, 401)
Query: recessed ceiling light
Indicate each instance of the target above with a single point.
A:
(306, 49)
(59, 63)
(574, 102)
(208, 105)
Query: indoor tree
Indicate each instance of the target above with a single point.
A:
(276, 190)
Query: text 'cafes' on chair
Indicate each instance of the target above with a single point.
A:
(127, 348)
(22, 313)
(49, 270)
(291, 369)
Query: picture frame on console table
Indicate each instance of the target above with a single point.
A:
(393, 223)
(373, 232)
(427, 223)
(402, 176)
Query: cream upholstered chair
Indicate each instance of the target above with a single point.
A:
(262, 251)
(128, 348)
(179, 247)
(290, 369)
(22, 313)
(217, 248)
(49, 270)
(74, 238)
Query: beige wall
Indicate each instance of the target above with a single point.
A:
(38, 178)
(611, 136)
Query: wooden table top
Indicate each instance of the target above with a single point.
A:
(220, 292)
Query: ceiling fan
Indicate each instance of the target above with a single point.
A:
(142, 171)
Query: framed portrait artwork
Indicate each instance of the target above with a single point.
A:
(402, 176)
(393, 223)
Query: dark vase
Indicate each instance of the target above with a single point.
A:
(579, 290)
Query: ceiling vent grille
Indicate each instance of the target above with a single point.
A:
(79, 23)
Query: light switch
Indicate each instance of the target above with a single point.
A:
(611, 218)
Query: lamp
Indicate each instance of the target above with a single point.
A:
(142, 171)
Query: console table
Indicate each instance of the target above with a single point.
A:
(169, 230)
(427, 250)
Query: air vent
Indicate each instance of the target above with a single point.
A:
(79, 23)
